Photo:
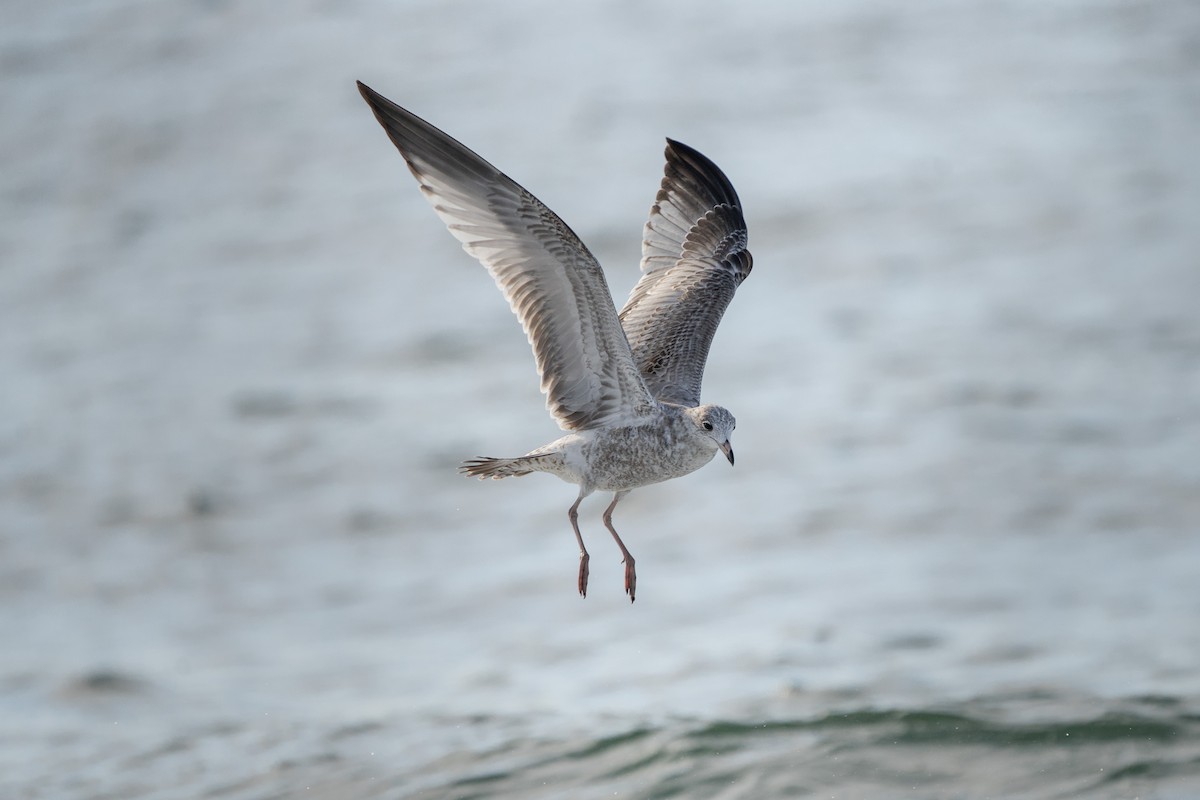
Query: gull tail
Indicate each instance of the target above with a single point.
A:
(497, 468)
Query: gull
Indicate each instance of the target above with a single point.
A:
(625, 388)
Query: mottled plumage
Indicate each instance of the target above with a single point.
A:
(625, 388)
(694, 257)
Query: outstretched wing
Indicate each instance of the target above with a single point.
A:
(554, 285)
(694, 257)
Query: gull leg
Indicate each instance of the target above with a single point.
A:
(573, 515)
(627, 557)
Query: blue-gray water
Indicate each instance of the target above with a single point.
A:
(241, 358)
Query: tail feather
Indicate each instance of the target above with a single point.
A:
(497, 468)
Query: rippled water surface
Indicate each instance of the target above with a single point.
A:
(241, 360)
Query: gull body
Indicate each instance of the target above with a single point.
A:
(656, 447)
(625, 387)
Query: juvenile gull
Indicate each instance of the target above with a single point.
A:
(625, 388)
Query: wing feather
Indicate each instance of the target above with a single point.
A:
(553, 283)
(694, 257)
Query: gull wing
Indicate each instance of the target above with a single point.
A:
(694, 257)
(554, 285)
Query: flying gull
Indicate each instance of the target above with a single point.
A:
(625, 387)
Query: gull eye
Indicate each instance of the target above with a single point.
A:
(706, 425)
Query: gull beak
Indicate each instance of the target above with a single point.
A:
(727, 449)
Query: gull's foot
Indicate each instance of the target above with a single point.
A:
(583, 574)
(630, 578)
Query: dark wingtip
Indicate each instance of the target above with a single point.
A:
(702, 169)
(382, 107)
(370, 95)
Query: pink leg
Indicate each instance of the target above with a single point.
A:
(573, 515)
(627, 557)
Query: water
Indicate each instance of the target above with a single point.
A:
(241, 360)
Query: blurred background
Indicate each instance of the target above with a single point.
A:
(240, 359)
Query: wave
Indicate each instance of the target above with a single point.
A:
(960, 752)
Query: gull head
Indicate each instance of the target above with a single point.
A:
(717, 424)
